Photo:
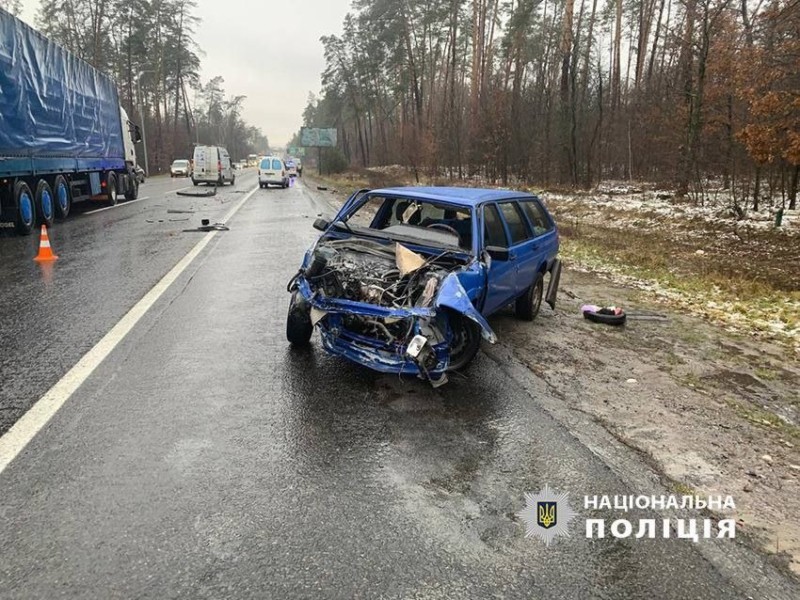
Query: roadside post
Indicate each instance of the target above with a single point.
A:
(141, 115)
(319, 138)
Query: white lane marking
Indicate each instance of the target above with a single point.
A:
(127, 203)
(38, 415)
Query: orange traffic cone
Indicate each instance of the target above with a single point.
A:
(45, 251)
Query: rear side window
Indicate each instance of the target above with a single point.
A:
(276, 165)
(541, 224)
(517, 226)
(493, 232)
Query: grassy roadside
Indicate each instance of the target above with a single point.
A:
(699, 274)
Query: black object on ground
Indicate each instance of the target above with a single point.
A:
(608, 315)
(200, 193)
(206, 225)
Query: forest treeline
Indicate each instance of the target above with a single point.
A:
(688, 93)
(148, 47)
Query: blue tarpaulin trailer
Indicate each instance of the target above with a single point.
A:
(63, 135)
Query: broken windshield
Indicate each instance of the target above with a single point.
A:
(430, 222)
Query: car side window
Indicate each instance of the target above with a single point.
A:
(516, 222)
(494, 234)
(538, 218)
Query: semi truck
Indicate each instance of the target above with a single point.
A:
(64, 137)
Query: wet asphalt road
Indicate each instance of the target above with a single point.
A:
(205, 459)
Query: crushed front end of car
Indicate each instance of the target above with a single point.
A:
(388, 307)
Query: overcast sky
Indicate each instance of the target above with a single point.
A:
(267, 51)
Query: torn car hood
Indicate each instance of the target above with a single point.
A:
(453, 295)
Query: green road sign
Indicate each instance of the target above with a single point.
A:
(313, 137)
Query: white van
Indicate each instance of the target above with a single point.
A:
(212, 164)
(272, 170)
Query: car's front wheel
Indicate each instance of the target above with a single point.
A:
(298, 322)
(465, 343)
(528, 305)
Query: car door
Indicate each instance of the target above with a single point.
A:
(522, 244)
(545, 237)
(224, 164)
(502, 274)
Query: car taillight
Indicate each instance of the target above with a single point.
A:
(219, 165)
(283, 173)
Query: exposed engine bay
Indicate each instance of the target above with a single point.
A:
(371, 272)
(392, 277)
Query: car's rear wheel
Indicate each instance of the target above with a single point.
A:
(466, 341)
(298, 322)
(528, 305)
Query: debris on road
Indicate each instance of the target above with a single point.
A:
(207, 226)
(199, 194)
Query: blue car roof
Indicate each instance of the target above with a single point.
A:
(453, 195)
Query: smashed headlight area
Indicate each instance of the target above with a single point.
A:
(381, 305)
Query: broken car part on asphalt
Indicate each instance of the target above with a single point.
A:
(211, 191)
(396, 279)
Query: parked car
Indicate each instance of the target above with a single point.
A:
(180, 168)
(212, 164)
(402, 279)
(140, 175)
(291, 168)
(272, 171)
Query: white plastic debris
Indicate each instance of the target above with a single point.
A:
(416, 345)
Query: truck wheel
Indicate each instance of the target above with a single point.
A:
(528, 305)
(111, 189)
(62, 196)
(26, 211)
(45, 205)
(298, 322)
(132, 190)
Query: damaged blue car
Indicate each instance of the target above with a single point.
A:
(402, 279)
